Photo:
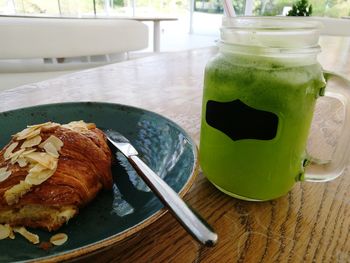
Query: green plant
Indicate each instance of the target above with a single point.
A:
(301, 8)
(118, 2)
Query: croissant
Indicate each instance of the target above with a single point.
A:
(49, 171)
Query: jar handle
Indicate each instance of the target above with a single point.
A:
(325, 170)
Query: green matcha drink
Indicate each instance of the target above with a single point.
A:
(256, 115)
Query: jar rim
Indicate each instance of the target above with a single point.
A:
(267, 51)
(271, 32)
(270, 23)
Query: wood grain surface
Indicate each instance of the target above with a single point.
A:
(310, 224)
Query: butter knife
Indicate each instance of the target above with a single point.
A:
(188, 218)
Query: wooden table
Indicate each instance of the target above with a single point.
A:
(310, 224)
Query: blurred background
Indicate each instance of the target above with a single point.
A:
(198, 20)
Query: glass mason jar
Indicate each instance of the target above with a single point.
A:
(258, 102)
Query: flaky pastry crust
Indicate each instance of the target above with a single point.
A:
(83, 169)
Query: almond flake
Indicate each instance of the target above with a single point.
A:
(58, 239)
(5, 231)
(27, 133)
(76, 126)
(31, 142)
(35, 126)
(22, 162)
(51, 149)
(13, 194)
(27, 152)
(14, 156)
(32, 134)
(27, 235)
(8, 152)
(37, 168)
(4, 174)
(38, 178)
(54, 140)
(44, 159)
(51, 125)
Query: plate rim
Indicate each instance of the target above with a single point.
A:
(99, 246)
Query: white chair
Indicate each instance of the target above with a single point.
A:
(34, 49)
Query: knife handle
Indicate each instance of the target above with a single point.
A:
(189, 219)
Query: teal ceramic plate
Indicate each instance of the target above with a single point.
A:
(130, 206)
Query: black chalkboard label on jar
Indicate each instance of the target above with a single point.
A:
(240, 121)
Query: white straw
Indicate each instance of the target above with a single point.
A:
(228, 8)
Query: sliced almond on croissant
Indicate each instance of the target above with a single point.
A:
(54, 140)
(31, 142)
(8, 152)
(4, 174)
(27, 133)
(38, 174)
(43, 158)
(14, 156)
